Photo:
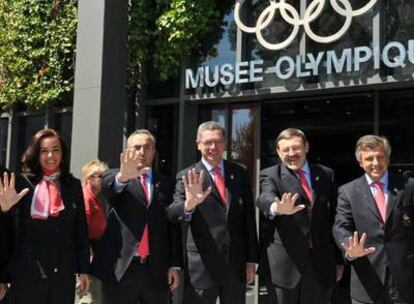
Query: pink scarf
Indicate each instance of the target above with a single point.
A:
(46, 198)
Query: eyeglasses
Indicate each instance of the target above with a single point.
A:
(95, 176)
(209, 143)
(139, 147)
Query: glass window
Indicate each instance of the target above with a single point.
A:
(3, 140)
(28, 126)
(332, 125)
(396, 123)
(63, 124)
(162, 121)
(221, 49)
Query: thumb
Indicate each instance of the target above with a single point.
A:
(23, 193)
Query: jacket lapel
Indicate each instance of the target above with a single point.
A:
(137, 192)
(394, 185)
(292, 184)
(208, 180)
(367, 197)
(315, 182)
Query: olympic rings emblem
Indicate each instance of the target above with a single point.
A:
(291, 16)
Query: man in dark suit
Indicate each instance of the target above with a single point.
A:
(140, 248)
(374, 225)
(298, 201)
(213, 201)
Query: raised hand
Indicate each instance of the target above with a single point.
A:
(8, 195)
(286, 205)
(129, 165)
(193, 185)
(356, 248)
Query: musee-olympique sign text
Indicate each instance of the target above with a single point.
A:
(393, 55)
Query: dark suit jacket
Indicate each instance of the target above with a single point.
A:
(126, 222)
(219, 240)
(286, 241)
(56, 245)
(393, 240)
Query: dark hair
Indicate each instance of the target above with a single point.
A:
(30, 159)
(289, 133)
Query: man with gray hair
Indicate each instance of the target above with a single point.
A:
(374, 226)
(214, 202)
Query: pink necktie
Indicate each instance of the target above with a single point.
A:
(219, 181)
(143, 247)
(305, 185)
(380, 199)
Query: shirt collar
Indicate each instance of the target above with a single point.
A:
(149, 174)
(383, 180)
(210, 167)
(306, 168)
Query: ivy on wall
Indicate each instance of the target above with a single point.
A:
(37, 41)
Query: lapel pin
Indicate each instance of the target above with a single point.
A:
(231, 176)
(406, 220)
(316, 178)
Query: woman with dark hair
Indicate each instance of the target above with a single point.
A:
(50, 223)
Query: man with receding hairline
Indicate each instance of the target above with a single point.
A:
(138, 257)
(298, 198)
(374, 226)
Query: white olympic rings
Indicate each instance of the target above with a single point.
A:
(291, 16)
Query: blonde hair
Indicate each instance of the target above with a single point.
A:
(94, 167)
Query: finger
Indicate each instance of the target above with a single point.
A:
(201, 177)
(170, 278)
(345, 247)
(1, 185)
(190, 176)
(350, 242)
(206, 193)
(174, 282)
(6, 180)
(294, 197)
(22, 193)
(362, 239)
(355, 240)
(121, 158)
(184, 178)
(12, 180)
(299, 208)
(369, 250)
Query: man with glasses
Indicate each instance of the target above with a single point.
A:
(298, 201)
(140, 248)
(213, 201)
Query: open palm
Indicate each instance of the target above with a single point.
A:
(8, 195)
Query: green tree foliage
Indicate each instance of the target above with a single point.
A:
(37, 41)
(163, 33)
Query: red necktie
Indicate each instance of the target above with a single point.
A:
(380, 199)
(305, 185)
(219, 181)
(143, 247)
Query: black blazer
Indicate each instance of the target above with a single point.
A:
(56, 245)
(219, 240)
(393, 240)
(126, 221)
(286, 241)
